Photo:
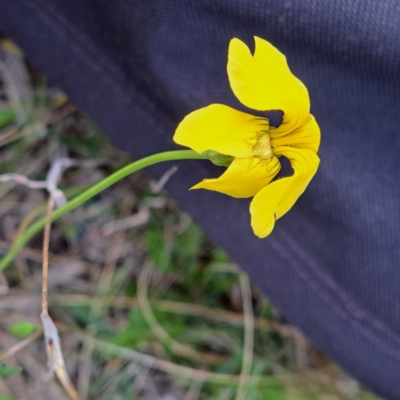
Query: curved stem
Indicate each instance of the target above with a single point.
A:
(95, 189)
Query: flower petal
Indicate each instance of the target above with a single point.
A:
(307, 136)
(264, 82)
(278, 197)
(221, 128)
(244, 177)
(264, 204)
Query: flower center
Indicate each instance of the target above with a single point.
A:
(262, 149)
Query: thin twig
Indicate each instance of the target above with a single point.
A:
(157, 186)
(52, 340)
(23, 180)
(45, 264)
(57, 168)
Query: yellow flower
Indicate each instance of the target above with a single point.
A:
(263, 82)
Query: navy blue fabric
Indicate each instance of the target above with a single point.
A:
(332, 264)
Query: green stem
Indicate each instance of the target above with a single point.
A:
(92, 191)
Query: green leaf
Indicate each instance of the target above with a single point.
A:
(21, 329)
(8, 371)
(7, 115)
(156, 249)
(135, 332)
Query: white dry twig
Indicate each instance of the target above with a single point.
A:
(137, 219)
(23, 180)
(57, 168)
(157, 186)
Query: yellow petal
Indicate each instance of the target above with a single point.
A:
(244, 177)
(221, 128)
(264, 204)
(307, 136)
(305, 164)
(265, 82)
(278, 197)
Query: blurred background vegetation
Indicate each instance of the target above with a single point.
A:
(146, 305)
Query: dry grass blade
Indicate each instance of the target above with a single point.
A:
(195, 310)
(137, 219)
(169, 367)
(194, 390)
(248, 336)
(157, 186)
(52, 340)
(45, 265)
(20, 345)
(178, 348)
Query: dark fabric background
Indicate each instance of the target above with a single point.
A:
(332, 264)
